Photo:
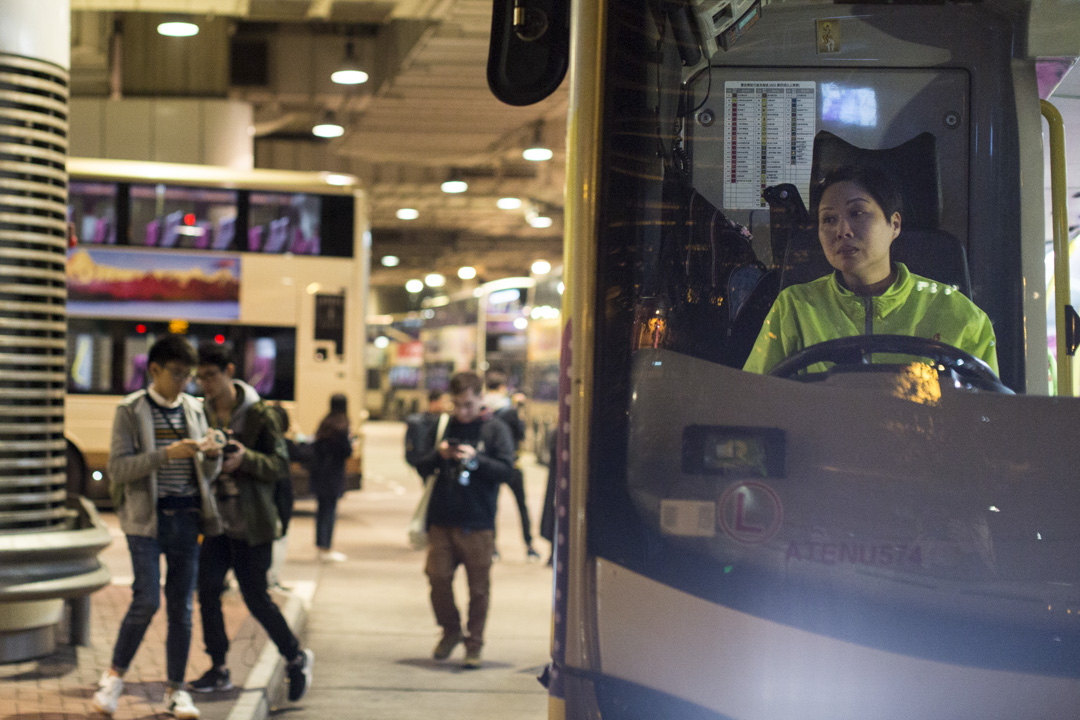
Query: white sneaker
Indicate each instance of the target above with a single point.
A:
(108, 694)
(178, 704)
(332, 556)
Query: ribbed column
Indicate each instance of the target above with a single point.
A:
(33, 240)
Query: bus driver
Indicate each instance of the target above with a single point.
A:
(858, 219)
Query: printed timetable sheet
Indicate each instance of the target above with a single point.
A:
(768, 139)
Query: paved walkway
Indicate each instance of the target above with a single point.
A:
(367, 620)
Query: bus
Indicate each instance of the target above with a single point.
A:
(274, 263)
(541, 385)
(415, 353)
(887, 541)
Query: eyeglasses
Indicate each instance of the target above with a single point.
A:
(182, 373)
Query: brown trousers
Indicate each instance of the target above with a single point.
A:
(449, 547)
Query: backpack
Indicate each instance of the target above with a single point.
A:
(417, 429)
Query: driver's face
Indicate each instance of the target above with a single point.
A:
(855, 233)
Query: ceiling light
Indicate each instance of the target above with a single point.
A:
(508, 203)
(414, 286)
(178, 28)
(538, 151)
(408, 214)
(541, 267)
(540, 221)
(537, 154)
(382, 342)
(454, 186)
(521, 323)
(349, 72)
(328, 128)
(434, 280)
(390, 261)
(466, 273)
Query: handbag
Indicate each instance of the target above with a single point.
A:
(418, 533)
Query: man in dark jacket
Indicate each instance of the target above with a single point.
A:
(502, 408)
(256, 458)
(471, 459)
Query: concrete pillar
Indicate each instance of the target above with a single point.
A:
(36, 527)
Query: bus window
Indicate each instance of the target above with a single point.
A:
(181, 217)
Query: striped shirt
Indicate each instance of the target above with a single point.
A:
(177, 477)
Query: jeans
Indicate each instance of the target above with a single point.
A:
(449, 547)
(516, 483)
(178, 539)
(249, 563)
(324, 521)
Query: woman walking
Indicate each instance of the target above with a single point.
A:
(332, 447)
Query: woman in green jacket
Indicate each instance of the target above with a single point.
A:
(858, 219)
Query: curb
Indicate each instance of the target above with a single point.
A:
(264, 688)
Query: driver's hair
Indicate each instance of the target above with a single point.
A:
(878, 184)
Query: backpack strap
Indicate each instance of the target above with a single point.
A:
(440, 430)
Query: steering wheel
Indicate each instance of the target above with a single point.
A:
(857, 349)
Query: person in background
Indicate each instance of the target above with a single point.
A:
(472, 459)
(502, 408)
(332, 447)
(254, 461)
(418, 427)
(284, 498)
(161, 461)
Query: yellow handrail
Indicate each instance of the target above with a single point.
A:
(1059, 204)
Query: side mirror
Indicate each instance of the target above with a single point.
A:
(530, 49)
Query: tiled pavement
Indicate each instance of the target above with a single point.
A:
(60, 686)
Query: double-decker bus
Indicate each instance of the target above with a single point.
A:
(888, 540)
(274, 263)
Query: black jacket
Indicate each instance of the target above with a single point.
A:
(469, 504)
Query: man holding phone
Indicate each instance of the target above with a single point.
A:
(475, 457)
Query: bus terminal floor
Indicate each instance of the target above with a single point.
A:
(367, 619)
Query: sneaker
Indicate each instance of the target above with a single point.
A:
(216, 679)
(532, 556)
(108, 693)
(299, 671)
(329, 556)
(178, 704)
(447, 645)
(472, 660)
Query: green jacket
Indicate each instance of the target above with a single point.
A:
(811, 313)
(265, 461)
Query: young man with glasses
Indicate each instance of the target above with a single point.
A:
(256, 459)
(161, 461)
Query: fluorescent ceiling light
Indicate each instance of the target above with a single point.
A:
(390, 261)
(466, 273)
(455, 186)
(434, 280)
(540, 221)
(328, 129)
(349, 72)
(178, 28)
(408, 214)
(382, 342)
(414, 286)
(537, 154)
(541, 267)
(508, 203)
